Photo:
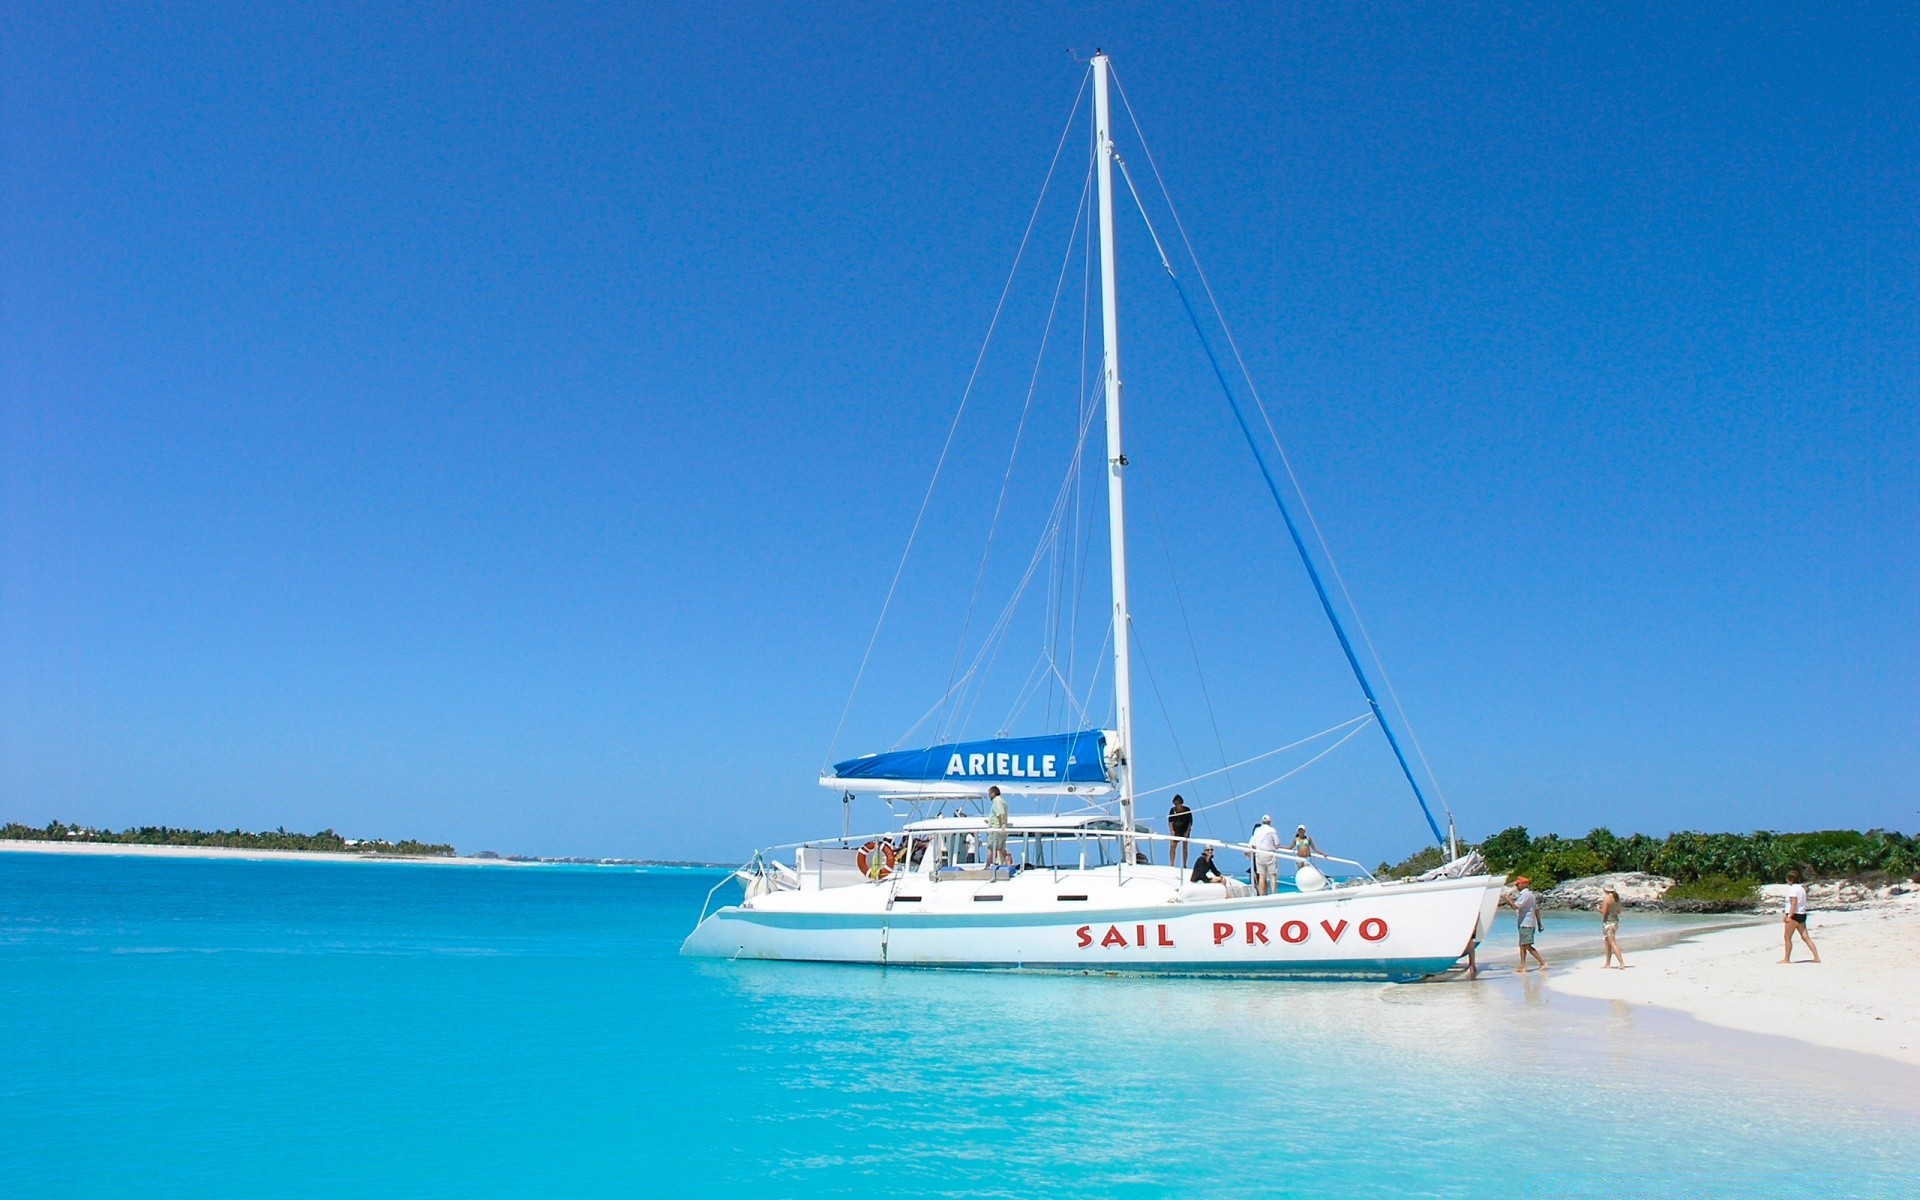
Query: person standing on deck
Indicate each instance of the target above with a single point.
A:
(997, 829)
(1303, 844)
(1794, 918)
(1526, 906)
(1266, 856)
(1180, 828)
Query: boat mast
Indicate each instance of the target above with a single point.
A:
(1116, 461)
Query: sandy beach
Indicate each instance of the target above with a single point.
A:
(120, 848)
(1860, 997)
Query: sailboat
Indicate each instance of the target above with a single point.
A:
(1079, 891)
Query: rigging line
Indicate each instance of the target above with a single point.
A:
(1099, 668)
(1063, 609)
(1165, 715)
(1193, 646)
(1312, 737)
(994, 639)
(1286, 515)
(952, 429)
(1081, 531)
(1066, 688)
(1019, 434)
(1351, 734)
(1285, 461)
(901, 740)
(1062, 573)
(1029, 687)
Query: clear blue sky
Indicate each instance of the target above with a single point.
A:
(500, 423)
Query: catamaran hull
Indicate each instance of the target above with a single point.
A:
(1390, 932)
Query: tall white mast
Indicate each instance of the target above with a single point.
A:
(1116, 461)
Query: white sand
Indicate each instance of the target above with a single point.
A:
(80, 847)
(1864, 995)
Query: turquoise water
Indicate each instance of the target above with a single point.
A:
(263, 1029)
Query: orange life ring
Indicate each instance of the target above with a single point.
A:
(875, 865)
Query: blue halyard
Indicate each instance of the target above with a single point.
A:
(1293, 530)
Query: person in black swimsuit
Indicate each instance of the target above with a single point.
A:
(1203, 869)
(1180, 825)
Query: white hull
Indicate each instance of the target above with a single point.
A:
(1139, 920)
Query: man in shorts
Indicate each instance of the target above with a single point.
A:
(997, 829)
(1266, 857)
(1526, 906)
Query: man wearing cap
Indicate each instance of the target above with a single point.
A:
(1266, 856)
(1526, 906)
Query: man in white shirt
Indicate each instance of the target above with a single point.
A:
(1266, 856)
(1794, 919)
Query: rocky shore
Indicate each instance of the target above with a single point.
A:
(1643, 891)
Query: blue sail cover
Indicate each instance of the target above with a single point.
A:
(1046, 763)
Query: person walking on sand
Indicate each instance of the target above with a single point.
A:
(1526, 907)
(1794, 919)
(1610, 907)
(1180, 828)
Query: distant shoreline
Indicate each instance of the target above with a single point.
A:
(150, 850)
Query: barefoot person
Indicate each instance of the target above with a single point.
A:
(1526, 906)
(1610, 907)
(1794, 919)
(1266, 857)
(997, 830)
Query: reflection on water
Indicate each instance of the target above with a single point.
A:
(497, 1034)
(1441, 1088)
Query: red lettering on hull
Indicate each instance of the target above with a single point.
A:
(1293, 933)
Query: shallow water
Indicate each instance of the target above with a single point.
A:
(260, 1029)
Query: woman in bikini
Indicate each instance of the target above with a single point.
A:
(1610, 907)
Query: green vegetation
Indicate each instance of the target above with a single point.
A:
(1415, 863)
(1688, 856)
(1717, 889)
(278, 839)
